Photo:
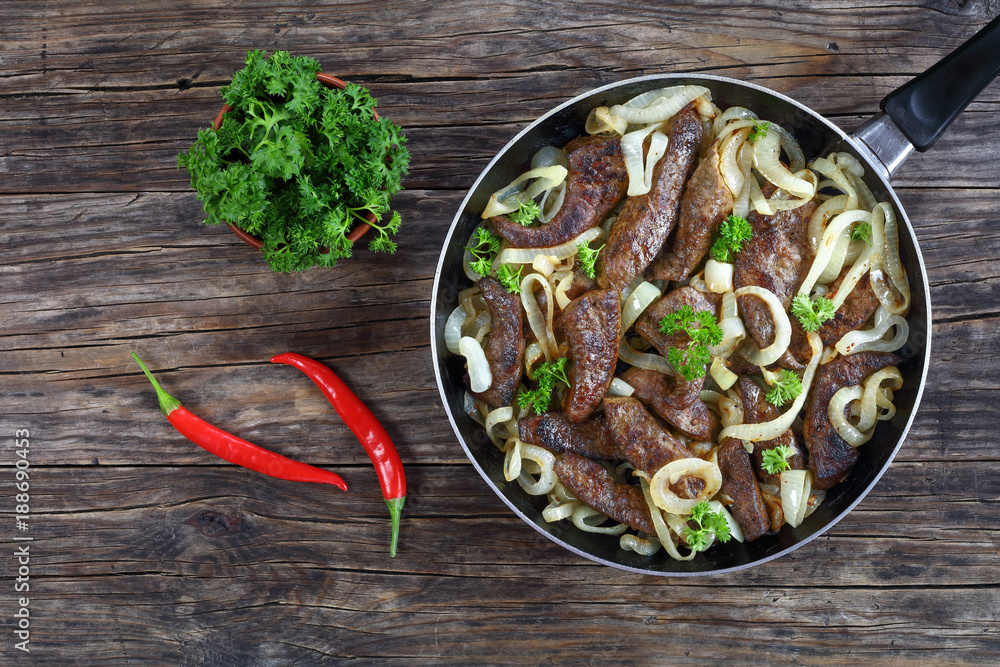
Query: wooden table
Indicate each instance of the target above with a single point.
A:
(146, 549)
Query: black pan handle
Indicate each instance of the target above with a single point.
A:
(924, 107)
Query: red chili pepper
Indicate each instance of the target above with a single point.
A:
(234, 449)
(366, 427)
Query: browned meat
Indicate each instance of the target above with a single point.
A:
(656, 389)
(777, 257)
(645, 443)
(739, 483)
(555, 432)
(756, 410)
(852, 314)
(505, 347)
(593, 328)
(830, 457)
(646, 221)
(597, 180)
(706, 203)
(593, 485)
(648, 326)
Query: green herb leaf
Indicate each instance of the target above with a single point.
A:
(812, 313)
(587, 257)
(775, 460)
(509, 278)
(862, 232)
(759, 131)
(786, 388)
(484, 249)
(733, 233)
(710, 524)
(526, 213)
(547, 375)
(298, 164)
(691, 362)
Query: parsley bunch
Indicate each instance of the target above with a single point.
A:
(775, 460)
(526, 213)
(759, 131)
(298, 164)
(710, 524)
(484, 247)
(786, 387)
(691, 362)
(812, 313)
(587, 257)
(733, 233)
(547, 375)
(862, 232)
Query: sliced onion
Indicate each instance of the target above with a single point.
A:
(731, 114)
(893, 266)
(632, 144)
(547, 477)
(796, 158)
(453, 329)
(495, 417)
(719, 276)
(509, 198)
(562, 298)
(831, 237)
(644, 360)
(556, 511)
(829, 168)
(480, 376)
(873, 391)
(837, 413)
(656, 106)
(733, 172)
(796, 485)
(636, 303)
(644, 546)
(600, 121)
(657, 147)
(660, 525)
(559, 252)
(584, 519)
(873, 340)
(765, 158)
(548, 156)
(540, 326)
(620, 387)
(782, 328)
(734, 528)
(724, 377)
(822, 215)
(669, 501)
(772, 429)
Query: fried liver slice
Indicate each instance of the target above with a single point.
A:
(593, 330)
(830, 457)
(646, 221)
(596, 181)
(657, 391)
(505, 347)
(757, 410)
(706, 202)
(739, 483)
(594, 486)
(555, 432)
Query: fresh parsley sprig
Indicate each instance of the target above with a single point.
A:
(509, 278)
(759, 131)
(692, 361)
(786, 387)
(484, 247)
(526, 213)
(587, 257)
(733, 233)
(547, 375)
(812, 313)
(710, 524)
(775, 460)
(298, 164)
(862, 232)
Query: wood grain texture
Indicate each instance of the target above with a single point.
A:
(148, 550)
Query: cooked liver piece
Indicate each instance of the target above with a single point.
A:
(756, 410)
(645, 443)
(656, 389)
(646, 221)
(593, 327)
(777, 257)
(705, 204)
(593, 485)
(555, 432)
(739, 483)
(830, 457)
(505, 347)
(597, 180)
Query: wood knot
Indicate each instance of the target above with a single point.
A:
(214, 524)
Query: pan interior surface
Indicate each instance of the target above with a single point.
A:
(817, 137)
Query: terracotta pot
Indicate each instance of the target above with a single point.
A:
(255, 242)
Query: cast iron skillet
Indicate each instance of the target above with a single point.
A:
(912, 118)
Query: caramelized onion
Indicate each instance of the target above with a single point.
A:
(667, 500)
(782, 328)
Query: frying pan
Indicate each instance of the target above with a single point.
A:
(911, 119)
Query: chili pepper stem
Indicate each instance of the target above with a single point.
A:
(395, 506)
(167, 402)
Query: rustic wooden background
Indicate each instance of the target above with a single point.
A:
(148, 550)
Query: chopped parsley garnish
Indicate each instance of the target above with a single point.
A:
(786, 388)
(759, 131)
(691, 362)
(484, 249)
(862, 232)
(526, 213)
(588, 258)
(733, 233)
(775, 460)
(709, 524)
(546, 376)
(510, 278)
(812, 313)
